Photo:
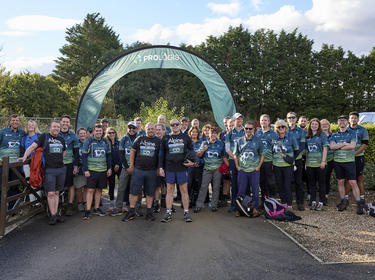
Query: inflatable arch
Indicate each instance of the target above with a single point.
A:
(166, 57)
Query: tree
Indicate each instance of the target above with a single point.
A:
(34, 95)
(159, 107)
(90, 46)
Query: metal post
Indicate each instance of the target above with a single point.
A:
(4, 191)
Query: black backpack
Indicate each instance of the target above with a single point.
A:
(245, 205)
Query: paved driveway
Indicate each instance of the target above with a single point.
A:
(214, 246)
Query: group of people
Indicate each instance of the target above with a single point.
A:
(238, 161)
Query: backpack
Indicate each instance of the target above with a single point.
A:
(245, 205)
(371, 209)
(273, 207)
(37, 165)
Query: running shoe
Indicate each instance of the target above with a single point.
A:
(173, 209)
(319, 206)
(342, 205)
(167, 218)
(187, 217)
(362, 208)
(115, 212)
(232, 209)
(87, 215)
(52, 220)
(81, 207)
(313, 205)
(99, 212)
(129, 216)
(150, 217)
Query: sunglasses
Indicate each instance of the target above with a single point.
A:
(131, 127)
(112, 132)
(249, 128)
(282, 126)
(174, 124)
(291, 117)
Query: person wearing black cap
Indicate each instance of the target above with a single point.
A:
(343, 143)
(362, 142)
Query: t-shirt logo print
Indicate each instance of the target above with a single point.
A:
(99, 153)
(13, 144)
(312, 147)
(212, 154)
(247, 156)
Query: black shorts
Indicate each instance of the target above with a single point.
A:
(145, 178)
(359, 165)
(69, 177)
(97, 180)
(345, 170)
(54, 179)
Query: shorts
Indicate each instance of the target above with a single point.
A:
(145, 178)
(159, 181)
(97, 180)
(54, 179)
(176, 177)
(359, 165)
(345, 170)
(79, 181)
(69, 175)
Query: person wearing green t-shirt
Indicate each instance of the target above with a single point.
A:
(285, 149)
(343, 143)
(362, 142)
(316, 155)
(249, 157)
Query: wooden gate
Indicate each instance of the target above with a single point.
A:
(22, 209)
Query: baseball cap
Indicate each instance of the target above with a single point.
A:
(105, 120)
(236, 116)
(184, 119)
(132, 124)
(342, 117)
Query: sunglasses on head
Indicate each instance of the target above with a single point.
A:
(175, 124)
(249, 128)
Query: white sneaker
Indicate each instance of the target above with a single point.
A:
(313, 205)
(319, 207)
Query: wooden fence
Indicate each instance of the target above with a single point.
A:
(22, 209)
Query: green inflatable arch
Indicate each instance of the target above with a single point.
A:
(166, 57)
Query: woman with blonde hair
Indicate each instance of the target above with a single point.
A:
(285, 149)
(32, 133)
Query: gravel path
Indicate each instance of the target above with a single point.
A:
(340, 236)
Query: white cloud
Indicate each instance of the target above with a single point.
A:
(39, 23)
(188, 32)
(231, 9)
(15, 33)
(28, 63)
(256, 4)
(345, 23)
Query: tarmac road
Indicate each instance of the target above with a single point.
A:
(214, 246)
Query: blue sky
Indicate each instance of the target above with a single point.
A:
(31, 32)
